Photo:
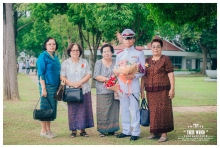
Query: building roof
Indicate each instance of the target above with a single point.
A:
(167, 46)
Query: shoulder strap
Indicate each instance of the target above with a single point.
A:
(120, 51)
(144, 104)
(39, 100)
(135, 97)
(138, 49)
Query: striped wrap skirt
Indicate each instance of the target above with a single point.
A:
(44, 104)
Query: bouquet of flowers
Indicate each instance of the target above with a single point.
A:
(126, 67)
(112, 84)
(140, 68)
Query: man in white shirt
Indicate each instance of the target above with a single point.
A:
(129, 103)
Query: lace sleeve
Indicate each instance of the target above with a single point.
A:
(97, 69)
(88, 70)
(63, 68)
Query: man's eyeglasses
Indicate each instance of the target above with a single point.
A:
(127, 38)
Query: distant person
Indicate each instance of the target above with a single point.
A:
(158, 82)
(27, 67)
(20, 66)
(24, 66)
(32, 66)
(36, 69)
(49, 81)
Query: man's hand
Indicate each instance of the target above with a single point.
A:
(130, 77)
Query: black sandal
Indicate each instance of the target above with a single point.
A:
(84, 134)
(111, 133)
(72, 135)
(102, 135)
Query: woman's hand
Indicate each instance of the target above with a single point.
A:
(76, 84)
(171, 93)
(63, 79)
(142, 94)
(116, 74)
(44, 92)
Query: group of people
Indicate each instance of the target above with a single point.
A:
(26, 65)
(157, 85)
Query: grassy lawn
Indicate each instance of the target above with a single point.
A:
(193, 91)
(19, 128)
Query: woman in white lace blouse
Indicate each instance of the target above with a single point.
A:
(76, 73)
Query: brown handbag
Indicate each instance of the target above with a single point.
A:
(59, 94)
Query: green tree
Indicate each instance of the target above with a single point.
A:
(42, 13)
(103, 21)
(198, 15)
(208, 43)
(64, 31)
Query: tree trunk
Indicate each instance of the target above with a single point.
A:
(93, 66)
(204, 64)
(93, 60)
(81, 39)
(10, 83)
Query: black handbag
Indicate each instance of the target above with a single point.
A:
(43, 114)
(144, 113)
(73, 95)
(59, 94)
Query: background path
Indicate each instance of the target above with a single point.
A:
(175, 109)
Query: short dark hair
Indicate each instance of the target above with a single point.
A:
(49, 38)
(107, 45)
(71, 46)
(157, 40)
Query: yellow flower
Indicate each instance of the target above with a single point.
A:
(147, 65)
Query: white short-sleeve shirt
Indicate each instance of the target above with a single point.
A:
(76, 71)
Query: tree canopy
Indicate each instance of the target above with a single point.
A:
(199, 15)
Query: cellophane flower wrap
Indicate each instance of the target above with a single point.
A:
(124, 67)
(112, 84)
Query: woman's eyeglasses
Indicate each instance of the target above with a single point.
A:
(51, 44)
(154, 47)
(74, 50)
